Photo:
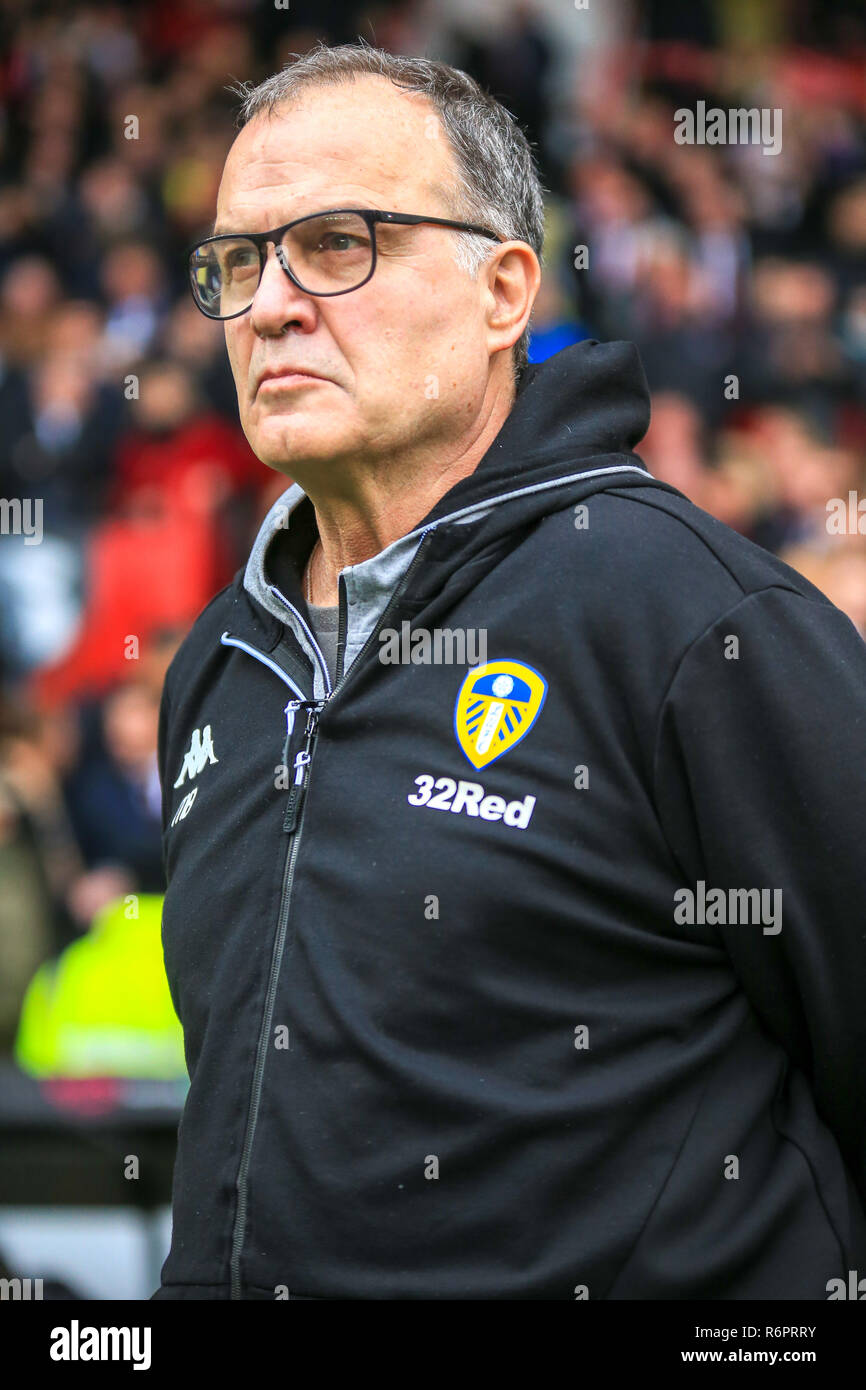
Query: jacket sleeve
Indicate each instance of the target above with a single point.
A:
(760, 782)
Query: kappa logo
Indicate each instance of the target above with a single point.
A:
(199, 753)
(497, 705)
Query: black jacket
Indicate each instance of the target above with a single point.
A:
(484, 1053)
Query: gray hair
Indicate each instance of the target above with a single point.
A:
(497, 180)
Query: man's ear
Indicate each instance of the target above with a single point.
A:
(513, 276)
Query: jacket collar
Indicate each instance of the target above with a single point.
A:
(573, 424)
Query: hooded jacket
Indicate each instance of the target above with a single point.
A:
(539, 978)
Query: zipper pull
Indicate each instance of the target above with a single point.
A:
(290, 711)
(296, 793)
(295, 798)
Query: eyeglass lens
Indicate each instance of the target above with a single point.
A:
(326, 254)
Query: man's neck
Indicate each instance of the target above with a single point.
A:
(379, 506)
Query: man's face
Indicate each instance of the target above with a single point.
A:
(405, 358)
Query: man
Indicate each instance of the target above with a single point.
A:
(534, 977)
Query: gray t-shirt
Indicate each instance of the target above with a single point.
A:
(325, 619)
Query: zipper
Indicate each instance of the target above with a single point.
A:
(301, 766)
(292, 826)
(342, 625)
(388, 610)
(308, 632)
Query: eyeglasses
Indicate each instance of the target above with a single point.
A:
(325, 253)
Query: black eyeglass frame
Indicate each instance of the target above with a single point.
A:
(370, 215)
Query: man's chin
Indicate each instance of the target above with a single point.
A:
(288, 442)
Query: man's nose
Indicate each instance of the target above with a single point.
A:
(278, 301)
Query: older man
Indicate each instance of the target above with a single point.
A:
(539, 976)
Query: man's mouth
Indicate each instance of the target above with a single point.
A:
(280, 378)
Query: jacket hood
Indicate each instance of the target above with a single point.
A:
(570, 432)
(589, 399)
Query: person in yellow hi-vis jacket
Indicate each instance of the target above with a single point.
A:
(103, 1007)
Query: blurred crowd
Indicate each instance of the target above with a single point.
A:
(740, 275)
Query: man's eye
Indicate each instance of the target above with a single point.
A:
(340, 241)
(238, 262)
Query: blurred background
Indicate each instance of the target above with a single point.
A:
(741, 276)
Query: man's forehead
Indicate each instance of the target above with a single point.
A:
(366, 139)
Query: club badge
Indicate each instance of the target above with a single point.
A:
(496, 707)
